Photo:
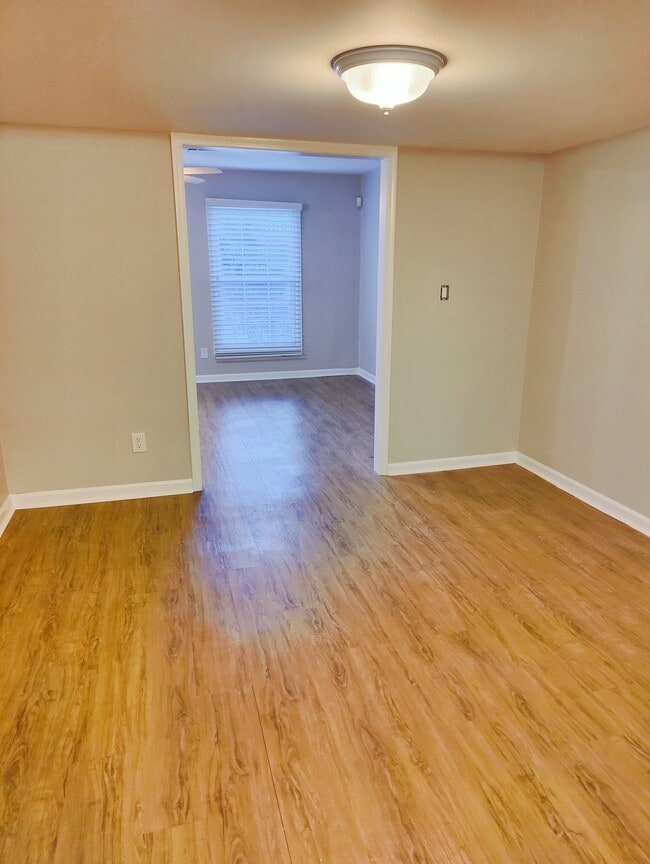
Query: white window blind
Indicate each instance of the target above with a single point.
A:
(255, 253)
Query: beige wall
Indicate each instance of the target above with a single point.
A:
(457, 366)
(92, 343)
(4, 490)
(586, 406)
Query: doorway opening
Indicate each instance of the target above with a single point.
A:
(316, 299)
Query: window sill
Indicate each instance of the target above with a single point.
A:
(249, 358)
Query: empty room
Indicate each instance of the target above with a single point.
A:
(324, 432)
(283, 269)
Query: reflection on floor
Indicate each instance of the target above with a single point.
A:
(311, 663)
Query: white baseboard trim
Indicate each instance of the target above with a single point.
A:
(7, 510)
(281, 374)
(590, 496)
(584, 493)
(95, 494)
(272, 376)
(452, 463)
(368, 376)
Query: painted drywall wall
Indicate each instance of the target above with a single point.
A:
(330, 265)
(586, 405)
(92, 343)
(457, 367)
(4, 489)
(368, 260)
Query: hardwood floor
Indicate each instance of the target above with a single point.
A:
(310, 663)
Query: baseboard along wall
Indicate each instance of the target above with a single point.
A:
(281, 374)
(7, 510)
(452, 463)
(367, 376)
(590, 496)
(578, 490)
(95, 494)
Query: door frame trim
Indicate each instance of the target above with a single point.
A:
(387, 157)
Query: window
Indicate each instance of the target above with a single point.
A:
(255, 278)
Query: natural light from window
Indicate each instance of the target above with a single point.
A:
(255, 256)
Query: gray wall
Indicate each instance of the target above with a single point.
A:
(330, 265)
(370, 187)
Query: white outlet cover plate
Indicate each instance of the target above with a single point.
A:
(138, 442)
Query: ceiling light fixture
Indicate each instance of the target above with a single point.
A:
(388, 75)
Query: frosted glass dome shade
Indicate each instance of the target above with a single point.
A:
(388, 75)
(387, 84)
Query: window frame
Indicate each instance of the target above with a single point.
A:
(265, 353)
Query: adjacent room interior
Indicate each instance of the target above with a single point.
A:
(283, 250)
(324, 423)
(284, 256)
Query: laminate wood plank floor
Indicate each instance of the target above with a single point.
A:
(311, 663)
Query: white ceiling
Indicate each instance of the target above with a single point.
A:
(239, 159)
(523, 75)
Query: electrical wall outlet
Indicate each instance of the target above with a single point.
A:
(138, 442)
(204, 353)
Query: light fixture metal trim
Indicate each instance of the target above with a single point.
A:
(388, 54)
(388, 75)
